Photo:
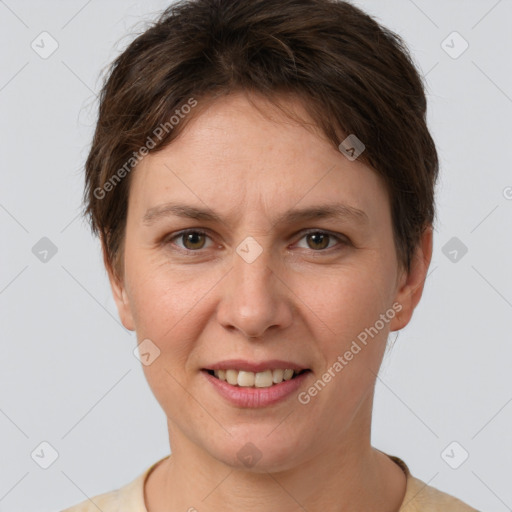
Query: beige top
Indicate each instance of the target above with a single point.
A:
(419, 497)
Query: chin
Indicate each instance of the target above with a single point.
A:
(256, 451)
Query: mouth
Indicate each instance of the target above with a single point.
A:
(263, 379)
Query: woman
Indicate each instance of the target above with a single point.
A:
(262, 181)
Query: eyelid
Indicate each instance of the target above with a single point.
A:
(339, 237)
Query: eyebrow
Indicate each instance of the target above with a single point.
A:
(337, 211)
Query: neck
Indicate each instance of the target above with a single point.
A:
(351, 476)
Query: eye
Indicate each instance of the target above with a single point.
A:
(193, 239)
(320, 240)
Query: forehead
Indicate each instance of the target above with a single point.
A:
(241, 152)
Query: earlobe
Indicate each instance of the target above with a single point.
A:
(410, 288)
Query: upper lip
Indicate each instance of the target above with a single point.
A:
(248, 366)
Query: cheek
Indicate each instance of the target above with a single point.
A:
(169, 306)
(159, 304)
(351, 335)
(167, 310)
(349, 300)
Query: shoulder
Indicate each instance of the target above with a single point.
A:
(420, 497)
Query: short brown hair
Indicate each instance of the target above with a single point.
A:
(353, 76)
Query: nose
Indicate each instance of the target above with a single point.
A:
(255, 298)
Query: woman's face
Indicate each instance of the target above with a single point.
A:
(304, 289)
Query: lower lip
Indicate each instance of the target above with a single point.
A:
(256, 397)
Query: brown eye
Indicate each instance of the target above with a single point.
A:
(193, 240)
(318, 240)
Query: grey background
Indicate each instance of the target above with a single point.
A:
(67, 369)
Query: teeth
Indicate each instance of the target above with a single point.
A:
(263, 379)
(277, 375)
(231, 377)
(288, 374)
(246, 379)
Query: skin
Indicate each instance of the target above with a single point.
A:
(303, 299)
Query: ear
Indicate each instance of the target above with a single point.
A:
(119, 293)
(410, 285)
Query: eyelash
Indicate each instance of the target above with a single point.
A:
(180, 234)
